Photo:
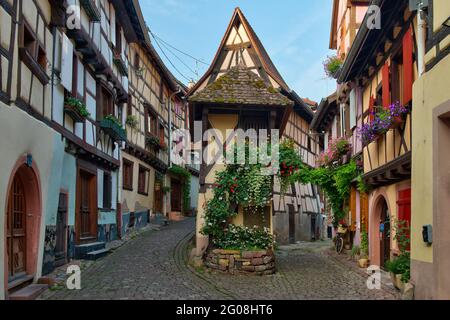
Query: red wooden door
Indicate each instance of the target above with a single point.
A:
(16, 230)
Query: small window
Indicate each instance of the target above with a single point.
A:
(143, 180)
(127, 175)
(107, 190)
(107, 107)
(152, 123)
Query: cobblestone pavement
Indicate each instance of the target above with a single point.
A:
(153, 266)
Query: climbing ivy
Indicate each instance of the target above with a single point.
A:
(334, 181)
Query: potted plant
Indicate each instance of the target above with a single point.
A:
(363, 261)
(400, 266)
(355, 253)
(132, 122)
(399, 270)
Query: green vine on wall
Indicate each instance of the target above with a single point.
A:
(244, 185)
(334, 181)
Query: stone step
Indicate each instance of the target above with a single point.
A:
(94, 255)
(81, 251)
(30, 292)
(20, 282)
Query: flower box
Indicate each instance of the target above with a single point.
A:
(74, 113)
(153, 142)
(113, 129)
(120, 64)
(91, 10)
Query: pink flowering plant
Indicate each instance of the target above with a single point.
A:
(383, 121)
(337, 149)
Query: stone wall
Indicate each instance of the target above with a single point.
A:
(241, 262)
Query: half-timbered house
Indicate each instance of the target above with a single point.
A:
(381, 66)
(145, 160)
(241, 53)
(31, 156)
(90, 92)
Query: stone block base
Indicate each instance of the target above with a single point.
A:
(241, 262)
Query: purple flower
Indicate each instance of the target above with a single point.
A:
(382, 122)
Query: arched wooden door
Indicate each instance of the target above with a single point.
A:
(16, 230)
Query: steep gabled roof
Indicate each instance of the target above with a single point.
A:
(266, 62)
(240, 86)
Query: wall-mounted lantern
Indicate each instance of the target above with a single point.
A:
(29, 160)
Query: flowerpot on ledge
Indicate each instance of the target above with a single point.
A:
(363, 263)
(397, 281)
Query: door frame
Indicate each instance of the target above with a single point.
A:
(83, 166)
(33, 201)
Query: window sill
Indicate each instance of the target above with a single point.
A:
(35, 68)
(127, 188)
(143, 193)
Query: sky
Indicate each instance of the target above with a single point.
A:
(294, 32)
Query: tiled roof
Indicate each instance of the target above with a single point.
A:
(241, 86)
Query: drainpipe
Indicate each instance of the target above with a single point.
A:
(421, 30)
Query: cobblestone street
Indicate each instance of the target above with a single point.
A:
(153, 266)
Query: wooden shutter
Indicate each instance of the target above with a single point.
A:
(67, 65)
(386, 86)
(404, 207)
(364, 203)
(407, 66)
